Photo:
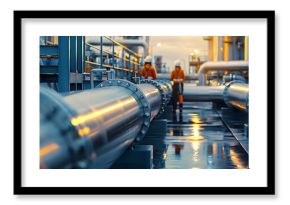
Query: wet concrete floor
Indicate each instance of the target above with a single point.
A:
(198, 138)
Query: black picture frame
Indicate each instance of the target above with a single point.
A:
(268, 190)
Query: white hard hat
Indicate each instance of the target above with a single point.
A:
(177, 63)
(148, 59)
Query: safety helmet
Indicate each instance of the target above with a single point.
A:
(148, 59)
(177, 63)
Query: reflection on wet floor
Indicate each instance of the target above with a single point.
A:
(197, 139)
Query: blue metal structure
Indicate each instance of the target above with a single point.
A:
(63, 64)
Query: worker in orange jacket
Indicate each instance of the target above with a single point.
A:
(177, 76)
(148, 71)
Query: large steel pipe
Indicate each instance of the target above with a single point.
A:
(220, 66)
(91, 129)
(237, 95)
(166, 76)
(153, 96)
(234, 94)
(203, 93)
(229, 66)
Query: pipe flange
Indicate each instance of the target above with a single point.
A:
(168, 86)
(162, 93)
(139, 96)
(56, 114)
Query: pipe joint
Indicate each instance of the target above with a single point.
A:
(162, 92)
(139, 96)
(57, 131)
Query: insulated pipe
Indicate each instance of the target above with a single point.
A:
(93, 128)
(220, 66)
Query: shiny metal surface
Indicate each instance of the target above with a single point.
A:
(220, 66)
(203, 93)
(108, 118)
(237, 124)
(153, 96)
(232, 77)
(54, 122)
(166, 76)
(229, 66)
(168, 84)
(101, 124)
(197, 139)
(237, 95)
(105, 122)
(234, 94)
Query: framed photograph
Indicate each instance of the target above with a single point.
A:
(144, 102)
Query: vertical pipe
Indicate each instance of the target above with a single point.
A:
(130, 63)
(73, 54)
(210, 48)
(80, 60)
(79, 54)
(83, 54)
(73, 61)
(228, 48)
(113, 58)
(217, 48)
(64, 64)
(123, 64)
(101, 52)
(246, 48)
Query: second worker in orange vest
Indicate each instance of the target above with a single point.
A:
(177, 76)
(148, 71)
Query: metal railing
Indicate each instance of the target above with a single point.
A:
(129, 63)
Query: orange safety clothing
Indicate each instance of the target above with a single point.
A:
(151, 72)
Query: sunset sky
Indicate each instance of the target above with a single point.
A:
(177, 47)
(174, 47)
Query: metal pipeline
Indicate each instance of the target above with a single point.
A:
(234, 94)
(229, 66)
(203, 93)
(93, 128)
(233, 77)
(166, 76)
(220, 66)
(237, 95)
